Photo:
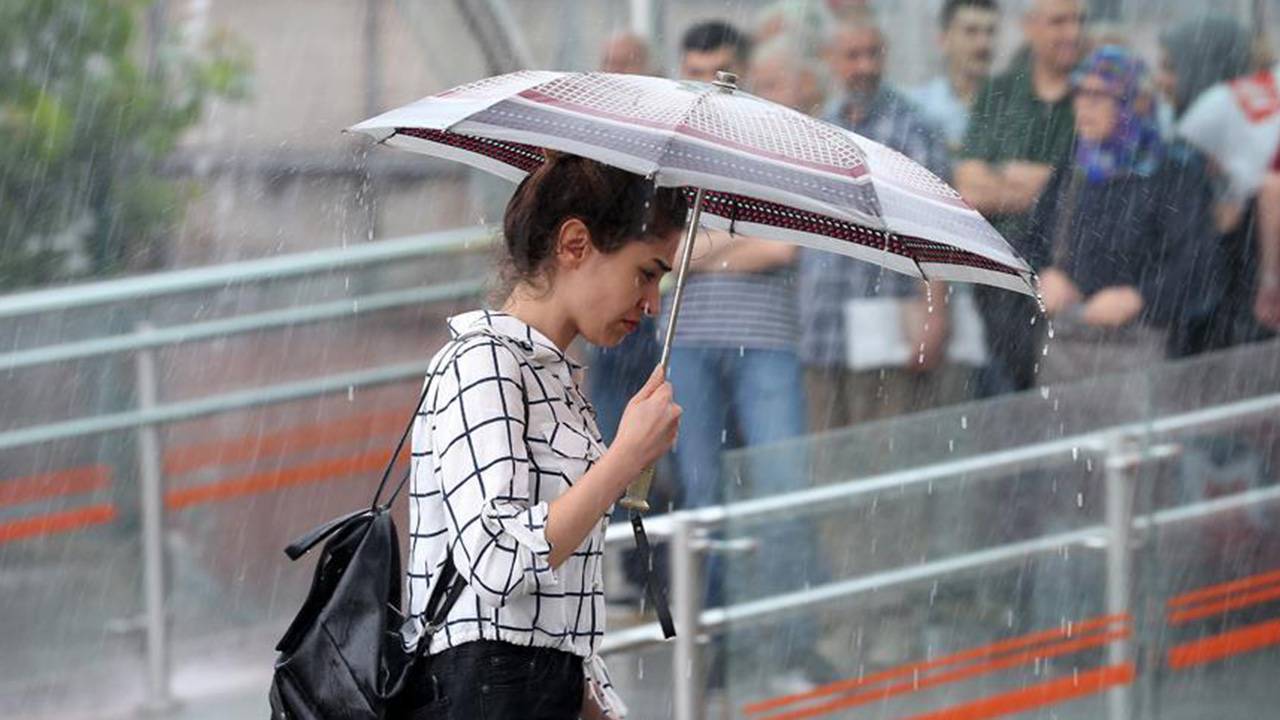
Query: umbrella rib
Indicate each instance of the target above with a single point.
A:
(683, 121)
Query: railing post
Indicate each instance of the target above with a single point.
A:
(1120, 475)
(686, 595)
(151, 491)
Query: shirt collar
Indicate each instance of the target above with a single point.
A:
(535, 345)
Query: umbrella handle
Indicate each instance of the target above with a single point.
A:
(636, 499)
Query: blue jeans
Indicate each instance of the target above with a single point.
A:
(743, 398)
(757, 396)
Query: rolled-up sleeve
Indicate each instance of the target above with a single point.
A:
(497, 537)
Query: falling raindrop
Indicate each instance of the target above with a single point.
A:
(964, 422)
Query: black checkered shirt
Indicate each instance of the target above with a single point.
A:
(505, 430)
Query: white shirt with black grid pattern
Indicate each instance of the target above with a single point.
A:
(505, 429)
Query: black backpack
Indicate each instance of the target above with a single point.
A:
(343, 655)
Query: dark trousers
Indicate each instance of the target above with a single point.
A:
(490, 680)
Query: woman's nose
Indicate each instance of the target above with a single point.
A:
(651, 303)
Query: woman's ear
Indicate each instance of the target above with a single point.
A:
(573, 243)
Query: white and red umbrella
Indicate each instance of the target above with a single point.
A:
(752, 167)
(768, 171)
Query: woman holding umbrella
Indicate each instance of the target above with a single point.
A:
(511, 481)
(517, 502)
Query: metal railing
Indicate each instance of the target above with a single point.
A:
(146, 338)
(1116, 447)
(687, 530)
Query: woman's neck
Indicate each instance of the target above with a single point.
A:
(542, 315)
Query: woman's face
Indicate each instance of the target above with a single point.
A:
(1097, 111)
(606, 295)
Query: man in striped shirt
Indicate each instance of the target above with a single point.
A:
(735, 371)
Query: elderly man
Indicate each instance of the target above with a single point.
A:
(1022, 125)
(838, 295)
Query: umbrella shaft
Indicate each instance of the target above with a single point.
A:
(685, 256)
(638, 491)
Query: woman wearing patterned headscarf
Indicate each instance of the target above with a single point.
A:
(1109, 225)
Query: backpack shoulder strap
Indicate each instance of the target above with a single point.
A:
(448, 353)
(455, 347)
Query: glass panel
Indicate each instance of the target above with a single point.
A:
(991, 575)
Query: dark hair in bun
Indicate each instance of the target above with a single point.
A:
(616, 206)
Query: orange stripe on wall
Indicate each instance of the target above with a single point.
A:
(59, 522)
(1217, 647)
(72, 481)
(1222, 607)
(966, 673)
(979, 653)
(193, 457)
(1227, 588)
(372, 461)
(1050, 693)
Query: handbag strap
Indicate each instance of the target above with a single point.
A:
(657, 594)
(395, 454)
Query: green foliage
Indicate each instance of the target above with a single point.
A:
(83, 126)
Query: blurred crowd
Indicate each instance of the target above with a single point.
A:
(1145, 192)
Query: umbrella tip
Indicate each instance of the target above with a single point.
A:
(726, 81)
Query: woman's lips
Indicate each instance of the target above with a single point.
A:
(630, 325)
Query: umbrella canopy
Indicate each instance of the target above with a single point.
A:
(764, 170)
